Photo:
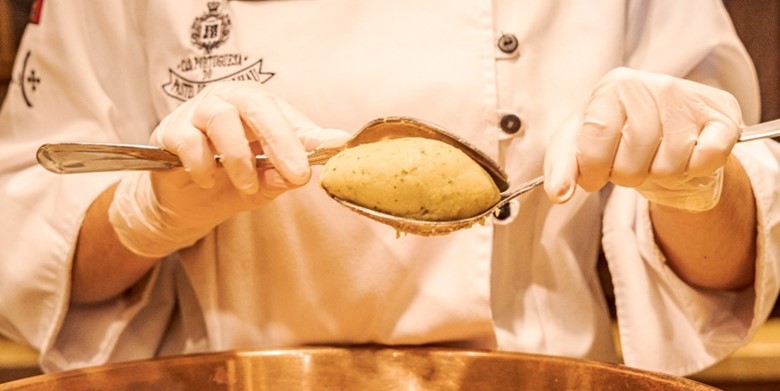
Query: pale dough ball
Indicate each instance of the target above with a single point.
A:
(411, 177)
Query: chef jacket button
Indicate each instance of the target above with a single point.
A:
(508, 43)
(504, 212)
(510, 123)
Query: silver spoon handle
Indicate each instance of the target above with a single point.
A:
(769, 129)
(519, 190)
(70, 158)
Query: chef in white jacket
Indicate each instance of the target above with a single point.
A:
(630, 110)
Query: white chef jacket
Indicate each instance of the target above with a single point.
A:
(304, 270)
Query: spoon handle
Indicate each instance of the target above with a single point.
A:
(769, 129)
(70, 158)
(519, 190)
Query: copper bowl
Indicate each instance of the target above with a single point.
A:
(360, 368)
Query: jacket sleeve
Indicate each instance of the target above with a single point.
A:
(79, 76)
(665, 324)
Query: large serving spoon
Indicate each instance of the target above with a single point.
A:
(70, 158)
(66, 158)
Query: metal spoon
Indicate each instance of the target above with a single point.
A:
(70, 158)
(429, 228)
(80, 157)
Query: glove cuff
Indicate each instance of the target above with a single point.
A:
(139, 219)
(696, 195)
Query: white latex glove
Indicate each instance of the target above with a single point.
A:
(157, 213)
(667, 137)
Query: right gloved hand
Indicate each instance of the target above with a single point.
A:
(157, 213)
(668, 138)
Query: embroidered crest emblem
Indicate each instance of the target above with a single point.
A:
(195, 72)
(211, 29)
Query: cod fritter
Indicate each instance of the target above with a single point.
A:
(411, 177)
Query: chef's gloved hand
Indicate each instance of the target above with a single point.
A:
(157, 213)
(667, 137)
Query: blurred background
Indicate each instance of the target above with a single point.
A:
(755, 367)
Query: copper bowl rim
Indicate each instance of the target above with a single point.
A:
(374, 351)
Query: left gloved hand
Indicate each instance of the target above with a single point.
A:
(667, 137)
(157, 213)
